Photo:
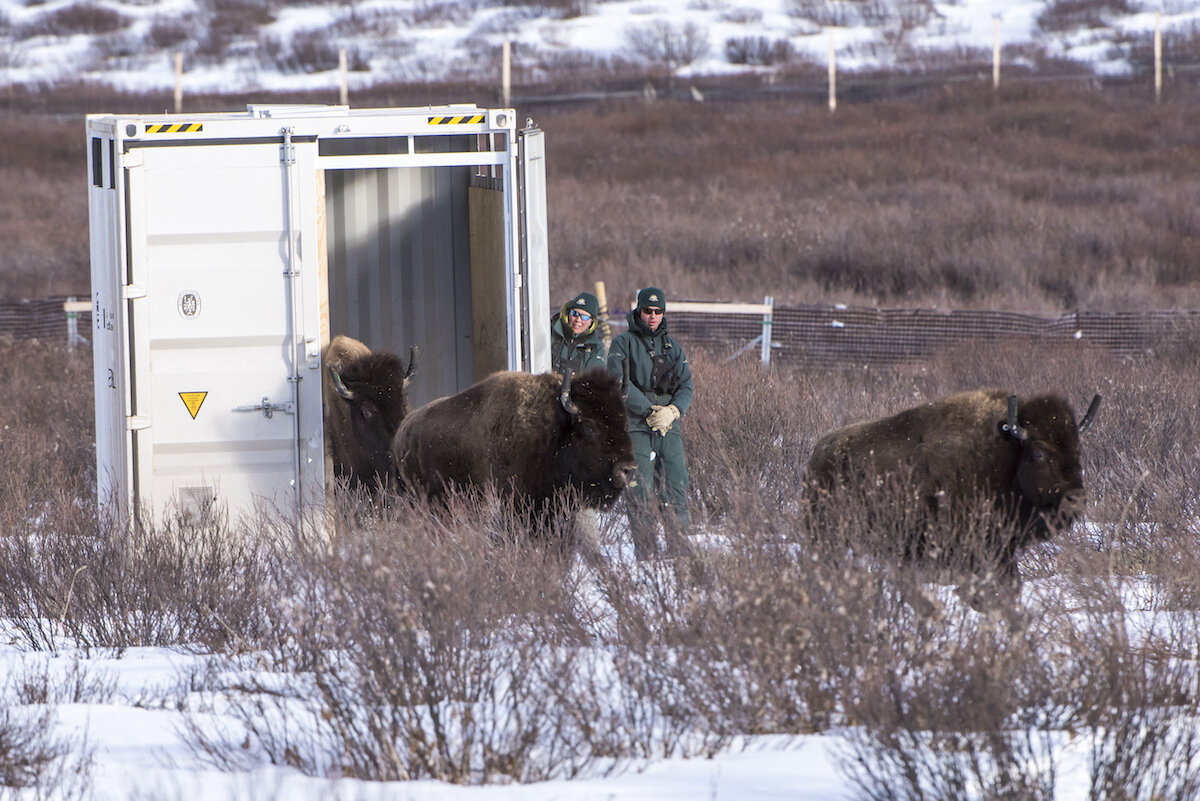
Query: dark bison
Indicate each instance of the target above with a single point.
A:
(530, 437)
(1021, 455)
(365, 394)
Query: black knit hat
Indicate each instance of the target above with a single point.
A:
(653, 297)
(585, 302)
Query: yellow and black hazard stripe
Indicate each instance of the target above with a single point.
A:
(175, 127)
(461, 119)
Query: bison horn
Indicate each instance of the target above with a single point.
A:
(412, 363)
(1090, 416)
(339, 386)
(1010, 425)
(565, 396)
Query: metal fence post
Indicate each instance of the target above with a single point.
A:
(768, 319)
(73, 307)
(72, 322)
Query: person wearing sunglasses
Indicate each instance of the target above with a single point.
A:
(575, 341)
(658, 396)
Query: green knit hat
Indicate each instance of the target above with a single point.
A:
(652, 296)
(585, 302)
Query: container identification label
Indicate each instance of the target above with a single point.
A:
(188, 304)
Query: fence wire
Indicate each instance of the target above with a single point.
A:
(42, 318)
(813, 336)
(825, 337)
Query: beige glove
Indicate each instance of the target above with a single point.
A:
(662, 417)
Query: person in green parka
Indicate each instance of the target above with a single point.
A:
(575, 341)
(659, 394)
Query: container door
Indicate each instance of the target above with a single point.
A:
(535, 251)
(224, 326)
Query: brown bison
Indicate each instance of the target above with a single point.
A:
(529, 437)
(365, 394)
(1020, 455)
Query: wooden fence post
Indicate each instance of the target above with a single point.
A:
(995, 54)
(1157, 56)
(344, 78)
(605, 328)
(179, 83)
(832, 75)
(506, 74)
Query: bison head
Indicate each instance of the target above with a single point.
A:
(1049, 473)
(596, 450)
(375, 390)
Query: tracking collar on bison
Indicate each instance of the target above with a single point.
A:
(1012, 428)
(1021, 455)
(529, 436)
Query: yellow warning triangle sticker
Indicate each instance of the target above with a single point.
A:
(193, 401)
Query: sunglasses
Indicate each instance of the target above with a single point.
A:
(652, 311)
(587, 318)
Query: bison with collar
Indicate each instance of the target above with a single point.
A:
(529, 437)
(1020, 455)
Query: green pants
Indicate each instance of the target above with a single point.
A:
(662, 476)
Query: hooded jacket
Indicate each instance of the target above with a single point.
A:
(582, 352)
(639, 345)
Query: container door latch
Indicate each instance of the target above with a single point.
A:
(267, 408)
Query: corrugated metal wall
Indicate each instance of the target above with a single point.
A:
(399, 268)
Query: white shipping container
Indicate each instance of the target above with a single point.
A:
(227, 249)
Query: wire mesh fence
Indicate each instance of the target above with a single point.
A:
(811, 337)
(824, 337)
(55, 318)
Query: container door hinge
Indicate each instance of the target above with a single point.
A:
(133, 158)
(131, 291)
(136, 422)
(287, 151)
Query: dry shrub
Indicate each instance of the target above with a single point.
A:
(955, 704)
(1125, 659)
(757, 50)
(433, 645)
(168, 32)
(725, 639)
(444, 645)
(86, 18)
(1039, 199)
(1069, 15)
(188, 582)
(1045, 202)
(44, 226)
(951, 704)
(747, 427)
(46, 428)
(34, 763)
(309, 51)
(64, 571)
(665, 44)
(228, 22)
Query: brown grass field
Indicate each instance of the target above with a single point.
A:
(1041, 199)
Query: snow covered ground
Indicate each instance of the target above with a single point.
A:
(239, 45)
(129, 723)
(122, 715)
